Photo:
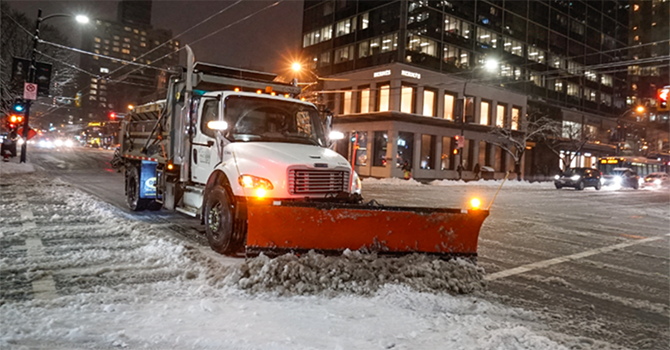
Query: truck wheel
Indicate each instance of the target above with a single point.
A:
(135, 203)
(223, 234)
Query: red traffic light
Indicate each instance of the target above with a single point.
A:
(112, 115)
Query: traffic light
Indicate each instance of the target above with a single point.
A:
(663, 99)
(77, 99)
(112, 115)
(19, 106)
(456, 151)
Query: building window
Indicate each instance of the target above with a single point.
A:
(536, 55)
(487, 38)
(97, 40)
(573, 89)
(514, 47)
(143, 44)
(591, 75)
(516, 112)
(127, 29)
(93, 92)
(378, 45)
(484, 113)
(557, 61)
(577, 28)
(325, 59)
(317, 36)
(126, 51)
(606, 99)
(384, 91)
(345, 27)
(406, 99)
(362, 151)
(575, 68)
(365, 101)
(104, 70)
(558, 85)
(500, 115)
(347, 102)
(365, 20)
(456, 56)
(449, 106)
(538, 79)
(590, 95)
(510, 72)
(379, 148)
(344, 54)
(456, 27)
(92, 98)
(447, 157)
(94, 86)
(427, 152)
(422, 45)
(126, 40)
(429, 103)
(606, 80)
(405, 149)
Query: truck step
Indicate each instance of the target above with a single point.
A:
(195, 189)
(190, 211)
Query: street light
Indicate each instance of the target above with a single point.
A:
(621, 125)
(32, 70)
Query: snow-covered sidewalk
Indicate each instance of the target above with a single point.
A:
(76, 273)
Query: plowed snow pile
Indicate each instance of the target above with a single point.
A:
(353, 272)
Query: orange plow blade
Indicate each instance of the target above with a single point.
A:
(275, 228)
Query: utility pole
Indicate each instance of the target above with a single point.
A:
(32, 70)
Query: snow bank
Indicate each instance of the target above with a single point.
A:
(493, 183)
(16, 168)
(353, 272)
(391, 181)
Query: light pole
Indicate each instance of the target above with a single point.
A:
(490, 65)
(33, 69)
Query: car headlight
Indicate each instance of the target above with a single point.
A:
(556, 177)
(575, 177)
(657, 182)
(617, 180)
(69, 143)
(250, 181)
(58, 143)
(19, 141)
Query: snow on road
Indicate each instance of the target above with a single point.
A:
(76, 273)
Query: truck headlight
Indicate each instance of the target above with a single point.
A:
(617, 180)
(250, 181)
(556, 177)
(575, 177)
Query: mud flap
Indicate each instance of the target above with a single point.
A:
(275, 228)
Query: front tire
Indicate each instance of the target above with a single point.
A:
(135, 203)
(580, 186)
(225, 233)
(558, 187)
(636, 185)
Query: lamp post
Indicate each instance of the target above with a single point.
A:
(621, 126)
(490, 65)
(32, 70)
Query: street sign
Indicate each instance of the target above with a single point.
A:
(31, 133)
(30, 91)
(20, 71)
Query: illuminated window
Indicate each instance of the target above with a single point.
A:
(484, 113)
(127, 29)
(407, 94)
(97, 40)
(456, 56)
(500, 115)
(487, 38)
(449, 106)
(422, 44)
(384, 91)
(93, 92)
(344, 54)
(636, 7)
(456, 27)
(94, 86)
(136, 31)
(365, 101)
(606, 80)
(365, 20)
(345, 27)
(514, 47)
(104, 70)
(429, 103)
(536, 55)
(126, 40)
(92, 98)
(115, 49)
(143, 44)
(347, 102)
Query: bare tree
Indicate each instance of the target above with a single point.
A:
(16, 40)
(571, 140)
(533, 127)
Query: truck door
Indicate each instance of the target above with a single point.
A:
(205, 155)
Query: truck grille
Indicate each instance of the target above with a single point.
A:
(317, 181)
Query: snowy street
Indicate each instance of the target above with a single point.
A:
(557, 269)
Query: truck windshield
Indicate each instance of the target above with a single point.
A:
(265, 120)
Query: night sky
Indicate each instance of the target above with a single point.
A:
(266, 40)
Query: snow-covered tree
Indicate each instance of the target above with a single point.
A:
(534, 127)
(571, 140)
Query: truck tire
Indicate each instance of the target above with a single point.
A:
(135, 203)
(225, 233)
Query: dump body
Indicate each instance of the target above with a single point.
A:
(276, 228)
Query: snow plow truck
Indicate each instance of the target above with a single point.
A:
(242, 152)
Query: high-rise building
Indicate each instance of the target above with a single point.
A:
(123, 41)
(134, 12)
(403, 66)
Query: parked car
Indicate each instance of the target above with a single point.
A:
(579, 178)
(656, 180)
(622, 177)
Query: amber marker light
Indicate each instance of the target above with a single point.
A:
(260, 193)
(259, 91)
(640, 109)
(237, 89)
(170, 166)
(475, 203)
